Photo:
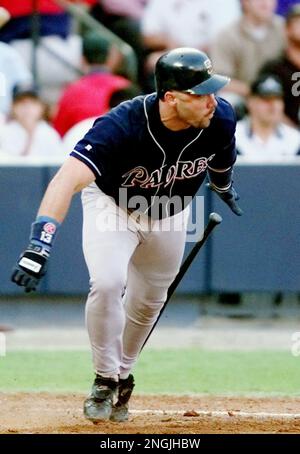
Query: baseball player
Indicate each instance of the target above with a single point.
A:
(131, 166)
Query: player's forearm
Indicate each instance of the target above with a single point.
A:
(31, 266)
(57, 200)
(220, 179)
(71, 178)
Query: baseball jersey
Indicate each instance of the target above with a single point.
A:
(133, 154)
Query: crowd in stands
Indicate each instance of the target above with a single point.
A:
(57, 76)
(287, 67)
(261, 135)
(27, 133)
(89, 96)
(241, 48)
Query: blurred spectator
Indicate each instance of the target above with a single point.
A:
(184, 23)
(53, 19)
(27, 133)
(241, 49)
(284, 5)
(13, 70)
(90, 95)
(124, 94)
(262, 136)
(123, 17)
(74, 134)
(287, 67)
(191, 23)
(4, 16)
(57, 55)
(123, 8)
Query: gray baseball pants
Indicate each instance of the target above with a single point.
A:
(132, 261)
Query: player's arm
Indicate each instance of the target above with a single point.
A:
(31, 266)
(220, 168)
(72, 177)
(220, 181)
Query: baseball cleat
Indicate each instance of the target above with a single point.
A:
(98, 406)
(120, 411)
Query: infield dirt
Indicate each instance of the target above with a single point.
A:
(42, 413)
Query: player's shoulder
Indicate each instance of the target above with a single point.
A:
(224, 118)
(121, 123)
(128, 117)
(224, 110)
(132, 109)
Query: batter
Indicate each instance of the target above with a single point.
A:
(138, 168)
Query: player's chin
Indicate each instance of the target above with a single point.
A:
(205, 122)
(202, 122)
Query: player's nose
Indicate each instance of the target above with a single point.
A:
(212, 102)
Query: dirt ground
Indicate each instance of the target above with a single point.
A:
(42, 413)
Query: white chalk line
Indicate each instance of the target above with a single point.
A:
(195, 413)
(218, 414)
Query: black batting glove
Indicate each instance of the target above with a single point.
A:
(32, 264)
(230, 196)
(31, 267)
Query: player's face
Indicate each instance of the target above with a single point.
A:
(195, 110)
(266, 111)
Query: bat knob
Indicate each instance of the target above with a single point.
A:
(215, 217)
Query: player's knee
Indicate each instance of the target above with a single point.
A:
(146, 312)
(107, 288)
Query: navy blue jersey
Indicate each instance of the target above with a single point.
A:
(129, 149)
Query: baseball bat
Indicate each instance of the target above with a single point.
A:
(213, 220)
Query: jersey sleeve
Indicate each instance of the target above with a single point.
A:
(98, 147)
(225, 147)
(226, 156)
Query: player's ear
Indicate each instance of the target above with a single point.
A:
(170, 98)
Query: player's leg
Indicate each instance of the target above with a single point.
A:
(108, 246)
(152, 269)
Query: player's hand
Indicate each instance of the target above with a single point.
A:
(229, 197)
(31, 267)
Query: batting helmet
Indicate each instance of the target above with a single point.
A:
(189, 70)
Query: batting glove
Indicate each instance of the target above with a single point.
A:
(31, 267)
(32, 264)
(230, 196)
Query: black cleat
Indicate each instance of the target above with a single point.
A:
(98, 406)
(120, 410)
